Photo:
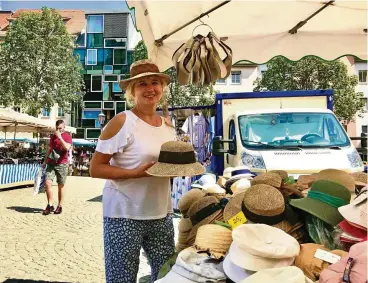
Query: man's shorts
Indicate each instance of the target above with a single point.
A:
(58, 170)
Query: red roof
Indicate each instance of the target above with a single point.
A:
(4, 19)
(74, 19)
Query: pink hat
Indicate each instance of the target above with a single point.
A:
(351, 231)
(354, 266)
(356, 211)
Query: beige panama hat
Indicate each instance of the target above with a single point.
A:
(176, 159)
(214, 239)
(361, 179)
(189, 198)
(337, 176)
(143, 68)
(207, 210)
(271, 179)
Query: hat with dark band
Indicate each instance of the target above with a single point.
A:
(176, 159)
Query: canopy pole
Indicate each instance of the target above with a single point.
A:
(159, 42)
(294, 30)
(15, 130)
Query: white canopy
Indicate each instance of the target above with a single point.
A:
(257, 31)
(12, 121)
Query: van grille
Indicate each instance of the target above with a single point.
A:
(287, 153)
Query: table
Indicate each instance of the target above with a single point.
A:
(12, 175)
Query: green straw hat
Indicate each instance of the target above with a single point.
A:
(323, 201)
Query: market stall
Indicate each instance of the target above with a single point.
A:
(20, 158)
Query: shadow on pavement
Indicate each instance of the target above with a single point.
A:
(24, 209)
(29, 281)
(96, 199)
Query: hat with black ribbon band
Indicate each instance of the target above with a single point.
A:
(206, 212)
(177, 157)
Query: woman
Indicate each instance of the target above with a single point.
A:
(136, 207)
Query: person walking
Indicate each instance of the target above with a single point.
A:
(57, 164)
(137, 211)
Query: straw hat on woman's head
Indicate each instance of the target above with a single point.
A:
(143, 68)
(176, 159)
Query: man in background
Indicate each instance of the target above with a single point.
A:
(57, 161)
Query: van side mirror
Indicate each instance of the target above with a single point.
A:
(218, 146)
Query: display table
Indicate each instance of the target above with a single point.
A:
(12, 175)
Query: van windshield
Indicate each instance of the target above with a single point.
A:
(287, 130)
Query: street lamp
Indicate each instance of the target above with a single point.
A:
(101, 119)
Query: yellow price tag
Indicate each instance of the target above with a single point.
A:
(237, 220)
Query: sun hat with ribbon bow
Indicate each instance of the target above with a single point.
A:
(176, 159)
(323, 200)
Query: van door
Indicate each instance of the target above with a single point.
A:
(229, 159)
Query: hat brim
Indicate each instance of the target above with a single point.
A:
(208, 220)
(124, 83)
(323, 211)
(176, 170)
(234, 272)
(241, 176)
(255, 263)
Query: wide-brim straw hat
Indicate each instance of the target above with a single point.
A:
(360, 178)
(189, 198)
(356, 211)
(214, 239)
(316, 202)
(337, 176)
(234, 206)
(176, 159)
(283, 174)
(271, 179)
(185, 225)
(197, 207)
(143, 68)
(266, 201)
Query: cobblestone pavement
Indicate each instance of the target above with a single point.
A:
(54, 248)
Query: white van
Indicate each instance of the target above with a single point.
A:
(298, 140)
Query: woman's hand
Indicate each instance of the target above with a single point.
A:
(140, 172)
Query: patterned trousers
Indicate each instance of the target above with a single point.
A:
(123, 240)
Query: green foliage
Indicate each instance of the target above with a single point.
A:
(38, 68)
(140, 51)
(314, 73)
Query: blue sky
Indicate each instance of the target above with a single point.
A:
(107, 5)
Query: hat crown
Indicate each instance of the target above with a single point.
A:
(264, 200)
(201, 203)
(177, 146)
(337, 176)
(214, 238)
(143, 66)
(265, 241)
(331, 188)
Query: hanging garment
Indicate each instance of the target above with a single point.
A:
(196, 127)
(181, 185)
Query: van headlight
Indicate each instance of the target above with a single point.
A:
(354, 159)
(253, 160)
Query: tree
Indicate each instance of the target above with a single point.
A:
(140, 51)
(314, 73)
(178, 95)
(38, 68)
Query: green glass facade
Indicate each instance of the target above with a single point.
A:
(105, 60)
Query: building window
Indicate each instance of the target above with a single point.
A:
(95, 24)
(115, 42)
(61, 112)
(364, 129)
(235, 77)
(262, 73)
(96, 83)
(109, 56)
(363, 76)
(119, 56)
(91, 57)
(94, 40)
(80, 41)
(108, 69)
(111, 78)
(221, 82)
(45, 112)
(16, 109)
(90, 114)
